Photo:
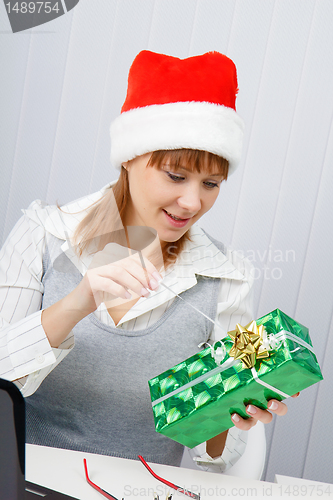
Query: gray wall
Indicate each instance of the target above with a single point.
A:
(63, 82)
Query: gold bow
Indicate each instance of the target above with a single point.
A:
(248, 344)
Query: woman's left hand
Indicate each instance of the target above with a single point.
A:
(255, 414)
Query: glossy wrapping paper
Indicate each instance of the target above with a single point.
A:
(202, 410)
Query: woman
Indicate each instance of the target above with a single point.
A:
(107, 269)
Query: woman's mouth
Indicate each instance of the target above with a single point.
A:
(175, 220)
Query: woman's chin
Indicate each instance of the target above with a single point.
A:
(170, 237)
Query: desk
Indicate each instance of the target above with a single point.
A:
(63, 470)
(294, 486)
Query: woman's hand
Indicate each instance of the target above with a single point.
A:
(215, 446)
(116, 283)
(255, 414)
(108, 283)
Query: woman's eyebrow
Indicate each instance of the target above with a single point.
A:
(178, 167)
(214, 175)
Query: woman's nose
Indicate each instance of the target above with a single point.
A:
(190, 200)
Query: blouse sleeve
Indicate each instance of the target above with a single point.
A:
(235, 305)
(26, 356)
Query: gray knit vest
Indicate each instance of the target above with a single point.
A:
(97, 399)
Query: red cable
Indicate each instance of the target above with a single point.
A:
(100, 490)
(171, 485)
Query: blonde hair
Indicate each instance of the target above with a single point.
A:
(99, 222)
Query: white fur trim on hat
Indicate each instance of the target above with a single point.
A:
(191, 125)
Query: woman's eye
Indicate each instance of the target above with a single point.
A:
(175, 177)
(211, 185)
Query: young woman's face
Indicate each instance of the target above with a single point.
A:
(169, 200)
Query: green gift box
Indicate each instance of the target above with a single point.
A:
(192, 401)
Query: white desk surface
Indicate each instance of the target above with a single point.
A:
(296, 484)
(63, 470)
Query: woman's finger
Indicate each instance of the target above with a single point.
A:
(255, 414)
(133, 265)
(148, 265)
(258, 414)
(130, 277)
(123, 279)
(122, 285)
(112, 289)
(127, 273)
(277, 407)
(242, 423)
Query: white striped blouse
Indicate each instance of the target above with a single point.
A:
(25, 353)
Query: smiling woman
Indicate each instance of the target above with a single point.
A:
(170, 199)
(184, 166)
(194, 194)
(92, 271)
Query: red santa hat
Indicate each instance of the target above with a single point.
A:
(174, 103)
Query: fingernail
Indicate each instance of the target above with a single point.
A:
(144, 292)
(128, 295)
(235, 417)
(251, 409)
(153, 284)
(272, 405)
(157, 276)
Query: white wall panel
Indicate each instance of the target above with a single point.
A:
(81, 100)
(318, 458)
(278, 87)
(13, 61)
(247, 47)
(172, 33)
(64, 82)
(211, 26)
(38, 118)
(315, 305)
(130, 34)
(305, 153)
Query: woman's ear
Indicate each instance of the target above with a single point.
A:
(126, 165)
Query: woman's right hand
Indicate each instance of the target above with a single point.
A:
(107, 283)
(116, 283)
